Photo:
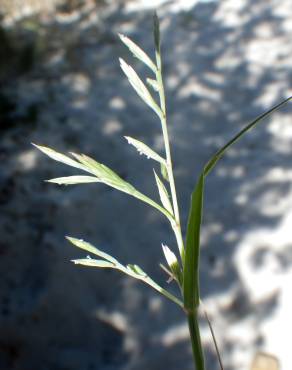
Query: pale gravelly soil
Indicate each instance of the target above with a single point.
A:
(225, 63)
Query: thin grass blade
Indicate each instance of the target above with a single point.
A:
(192, 254)
(163, 171)
(72, 180)
(153, 84)
(99, 170)
(191, 285)
(156, 29)
(137, 270)
(110, 262)
(139, 87)
(103, 174)
(149, 201)
(79, 243)
(164, 197)
(172, 263)
(212, 162)
(93, 263)
(138, 52)
(59, 157)
(144, 149)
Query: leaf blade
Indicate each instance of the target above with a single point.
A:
(79, 243)
(73, 180)
(192, 256)
(173, 263)
(59, 157)
(145, 149)
(110, 262)
(215, 158)
(93, 263)
(156, 31)
(191, 286)
(153, 83)
(139, 87)
(163, 194)
(138, 52)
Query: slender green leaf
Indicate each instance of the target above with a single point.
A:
(173, 264)
(191, 291)
(110, 262)
(144, 149)
(211, 163)
(93, 263)
(169, 256)
(110, 178)
(145, 199)
(153, 84)
(139, 87)
(164, 172)
(103, 174)
(72, 180)
(59, 157)
(157, 287)
(79, 243)
(99, 170)
(192, 253)
(138, 52)
(164, 197)
(156, 29)
(137, 270)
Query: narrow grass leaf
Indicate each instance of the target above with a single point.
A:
(93, 263)
(110, 262)
(145, 199)
(138, 52)
(112, 179)
(72, 180)
(144, 149)
(212, 162)
(103, 174)
(169, 256)
(156, 29)
(164, 197)
(163, 171)
(99, 170)
(59, 157)
(191, 291)
(162, 291)
(173, 264)
(139, 87)
(153, 84)
(137, 270)
(192, 253)
(79, 243)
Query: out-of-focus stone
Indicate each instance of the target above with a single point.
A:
(265, 361)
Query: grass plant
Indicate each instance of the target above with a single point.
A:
(182, 267)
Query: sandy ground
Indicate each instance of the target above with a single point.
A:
(225, 63)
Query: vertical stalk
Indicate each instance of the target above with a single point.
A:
(176, 225)
(196, 340)
(192, 316)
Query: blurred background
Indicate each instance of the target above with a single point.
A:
(225, 62)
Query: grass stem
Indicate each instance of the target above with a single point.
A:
(196, 340)
(176, 226)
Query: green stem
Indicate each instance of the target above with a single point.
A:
(196, 340)
(176, 225)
